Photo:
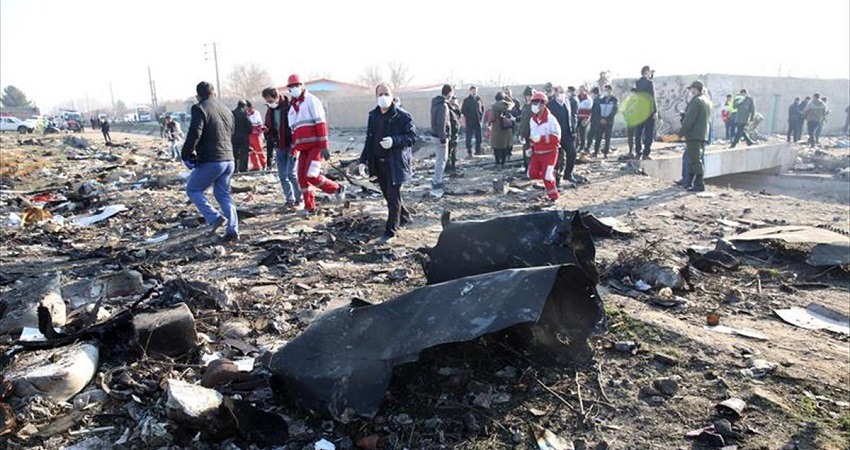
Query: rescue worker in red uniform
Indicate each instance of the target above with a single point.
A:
(545, 135)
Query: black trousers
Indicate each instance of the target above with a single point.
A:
(397, 213)
(106, 136)
(501, 155)
(742, 133)
(568, 146)
(603, 132)
(645, 134)
(812, 126)
(240, 156)
(473, 129)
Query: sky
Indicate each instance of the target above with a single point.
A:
(62, 52)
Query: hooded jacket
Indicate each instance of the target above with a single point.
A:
(439, 117)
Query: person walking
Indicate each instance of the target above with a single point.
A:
(279, 139)
(310, 142)
(545, 136)
(501, 124)
(104, 128)
(241, 131)
(208, 151)
(472, 112)
(608, 107)
(441, 128)
(695, 129)
(815, 112)
(387, 153)
(746, 112)
(645, 131)
(173, 134)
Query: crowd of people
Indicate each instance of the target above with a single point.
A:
(553, 126)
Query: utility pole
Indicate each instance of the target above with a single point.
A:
(112, 96)
(153, 92)
(215, 59)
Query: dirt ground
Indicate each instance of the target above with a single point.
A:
(802, 402)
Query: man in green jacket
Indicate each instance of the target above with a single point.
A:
(746, 112)
(695, 127)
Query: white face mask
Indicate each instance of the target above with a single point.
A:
(384, 101)
(273, 105)
(561, 97)
(535, 108)
(295, 91)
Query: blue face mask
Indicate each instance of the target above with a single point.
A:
(295, 91)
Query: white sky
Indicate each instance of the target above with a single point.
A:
(59, 51)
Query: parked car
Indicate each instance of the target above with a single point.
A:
(15, 124)
(34, 122)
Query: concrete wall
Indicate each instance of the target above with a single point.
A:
(720, 162)
(772, 96)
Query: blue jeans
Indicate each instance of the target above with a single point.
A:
(217, 175)
(286, 167)
(175, 151)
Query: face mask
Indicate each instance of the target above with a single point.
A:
(273, 105)
(384, 101)
(295, 91)
(562, 97)
(535, 108)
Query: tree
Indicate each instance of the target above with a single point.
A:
(247, 81)
(120, 109)
(13, 97)
(399, 75)
(371, 76)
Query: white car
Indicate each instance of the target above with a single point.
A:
(34, 122)
(14, 124)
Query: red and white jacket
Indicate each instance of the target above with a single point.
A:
(256, 122)
(307, 121)
(545, 132)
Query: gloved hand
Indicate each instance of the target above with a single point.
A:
(326, 154)
(361, 170)
(386, 142)
(189, 164)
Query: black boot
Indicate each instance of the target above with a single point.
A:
(685, 182)
(698, 185)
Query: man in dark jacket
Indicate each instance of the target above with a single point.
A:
(645, 131)
(746, 112)
(695, 129)
(454, 133)
(473, 112)
(387, 153)
(795, 119)
(279, 139)
(104, 128)
(608, 107)
(208, 151)
(241, 130)
(524, 127)
(441, 128)
(560, 108)
(595, 133)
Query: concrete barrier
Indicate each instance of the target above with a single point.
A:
(719, 162)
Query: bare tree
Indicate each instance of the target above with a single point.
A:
(399, 74)
(371, 76)
(247, 81)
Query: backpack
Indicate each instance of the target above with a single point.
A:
(506, 120)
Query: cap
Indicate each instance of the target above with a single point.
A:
(539, 96)
(696, 84)
(293, 80)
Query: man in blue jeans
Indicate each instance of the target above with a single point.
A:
(279, 137)
(208, 151)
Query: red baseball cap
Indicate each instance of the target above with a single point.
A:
(293, 80)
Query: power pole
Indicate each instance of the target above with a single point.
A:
(215, 59)
(153, 92)
(112, 96)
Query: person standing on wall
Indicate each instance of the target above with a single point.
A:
(795, 119)
(645, 131)
(387, 153)
(472, 111)
(208, 151)
(745, 113)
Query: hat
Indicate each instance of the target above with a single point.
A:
(696, 84)
(528, 91)
(240, 103)
(539, 96)
(293, 79)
